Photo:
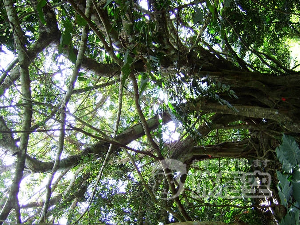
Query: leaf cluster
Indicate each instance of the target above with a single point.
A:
(288, 154)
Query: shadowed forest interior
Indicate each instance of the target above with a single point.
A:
(149, 112)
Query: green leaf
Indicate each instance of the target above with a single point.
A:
(72, 55)
(143, 83)
(126, 69)
(296, 191)
(171, 107)
(296, 212)
(227, 3)
(291, 218)
(211, 9)
(66, 39)
(107, 3)
(296, 175)
(198, 16)
(1, 91)
(82, 78)
(39, 7)
(296, 184)
(68, 26)
(127, 58)
(80, 21)
(287, 167)
(288, 152)
(284, 187)
(194, 83)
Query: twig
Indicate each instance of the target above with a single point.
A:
(108, 151)
(9, 68)
(149, 190)
(20, 42)
(97, 32)
(156, 148)
(63, 114)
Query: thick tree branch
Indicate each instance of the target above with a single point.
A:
(100, 68)
(108, 48)
(156, 148)
(67, 97)
(108, 153)
(7, 141)
(47, 36)
(99, 148)
(142, 118)
(20, 42)
(183, 150)
(227, 149)
(146, 186)
(245, 111)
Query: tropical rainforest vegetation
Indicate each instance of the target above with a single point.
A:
(105, 100)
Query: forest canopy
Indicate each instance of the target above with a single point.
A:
(127, 112)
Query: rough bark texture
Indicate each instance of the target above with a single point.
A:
(266, 105)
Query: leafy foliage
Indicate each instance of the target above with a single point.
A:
(289, 182)
(102, 91)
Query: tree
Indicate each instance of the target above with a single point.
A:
(95, 84)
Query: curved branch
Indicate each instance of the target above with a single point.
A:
(225, 149)
(20, 42)
(99, 148)
(183, 150)
(9, 68)
(146, 186)
(245, 111)
(156, 148)
(109, 49)
(67, 97)
(47, 35)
